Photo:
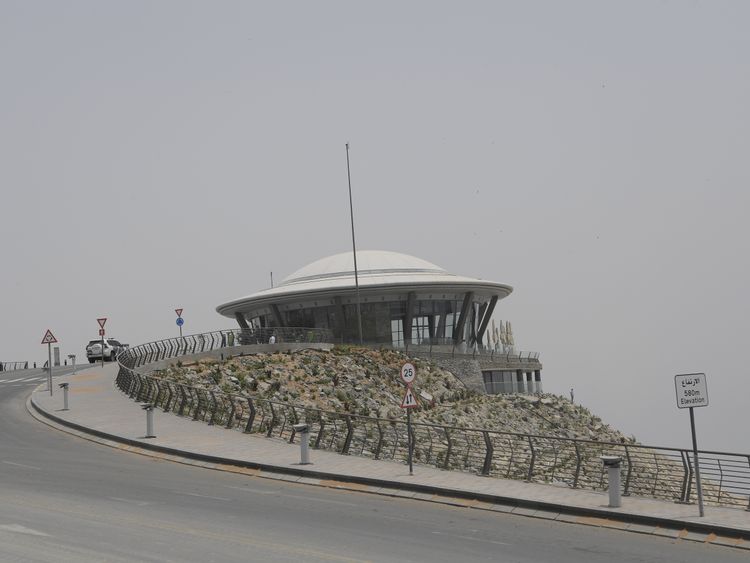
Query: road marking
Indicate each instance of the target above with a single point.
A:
(131, 501)
(313, 499)
(284, 495)
(250, 490)
(202, 496)
(20, 382)
(469, 538)
(21, 530)
(22, 465)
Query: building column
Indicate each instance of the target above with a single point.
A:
(486, 318)
(530, 383)
(440, 332)
(465, 310)
(278, 319)
(538, 380)
(475, 322)
(508, 378)
(241, 320)
(340, 318)
(520, 384)
(431, 326)
(409, 317)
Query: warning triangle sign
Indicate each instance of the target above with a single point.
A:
(410, 401)
(102, 322)
(179, 312)
(49, 338)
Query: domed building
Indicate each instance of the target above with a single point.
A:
(405, 302)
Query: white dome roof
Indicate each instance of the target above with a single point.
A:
(369, 262)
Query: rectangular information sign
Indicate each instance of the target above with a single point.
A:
(691, 390)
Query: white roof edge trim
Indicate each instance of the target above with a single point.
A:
(264, 297)
(362, 273)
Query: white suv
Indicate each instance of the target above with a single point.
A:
(111, 348)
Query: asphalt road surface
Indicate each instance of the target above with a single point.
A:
(65, 499)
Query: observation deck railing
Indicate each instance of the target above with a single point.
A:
(192, 344)
(447, 347)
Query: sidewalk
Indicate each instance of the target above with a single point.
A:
(100, 412)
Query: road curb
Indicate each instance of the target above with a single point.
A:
(642, 524)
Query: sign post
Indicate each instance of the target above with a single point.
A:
(180, 321)
(102, 322)
(408, 374)
(691, 390)
(49, 339)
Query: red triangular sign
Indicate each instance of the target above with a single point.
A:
(410, 401)
(49, 338)
(102, 322)
(179, 312)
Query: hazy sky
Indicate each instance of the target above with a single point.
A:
(593, 155)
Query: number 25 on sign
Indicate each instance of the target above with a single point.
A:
(408, 373)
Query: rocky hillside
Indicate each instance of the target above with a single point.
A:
(366, 382)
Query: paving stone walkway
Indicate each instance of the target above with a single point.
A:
(101, 412)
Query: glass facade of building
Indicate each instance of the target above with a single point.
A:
(432, 320)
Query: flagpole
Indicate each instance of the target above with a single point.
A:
(354, 247)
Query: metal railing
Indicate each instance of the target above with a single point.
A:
(206, 342)
(192, 344)
(659, 472)
(453, 349)
(12, 366)
(442, 347)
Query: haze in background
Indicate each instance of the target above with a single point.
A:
(593, 155)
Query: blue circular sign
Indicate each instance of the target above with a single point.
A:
(180, 321)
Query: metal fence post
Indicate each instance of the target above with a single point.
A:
(213, 409)
(488, 453)
(272, 422)
(321, 430)
(183, 402)
(251, 415)
(379, 445)
(626, 492)
(230, 417)
(349, 434)
(198, 402)
(450, 448)
(533, 459)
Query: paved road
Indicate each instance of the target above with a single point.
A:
(65, 499)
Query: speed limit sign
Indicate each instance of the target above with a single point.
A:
(408, 373)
